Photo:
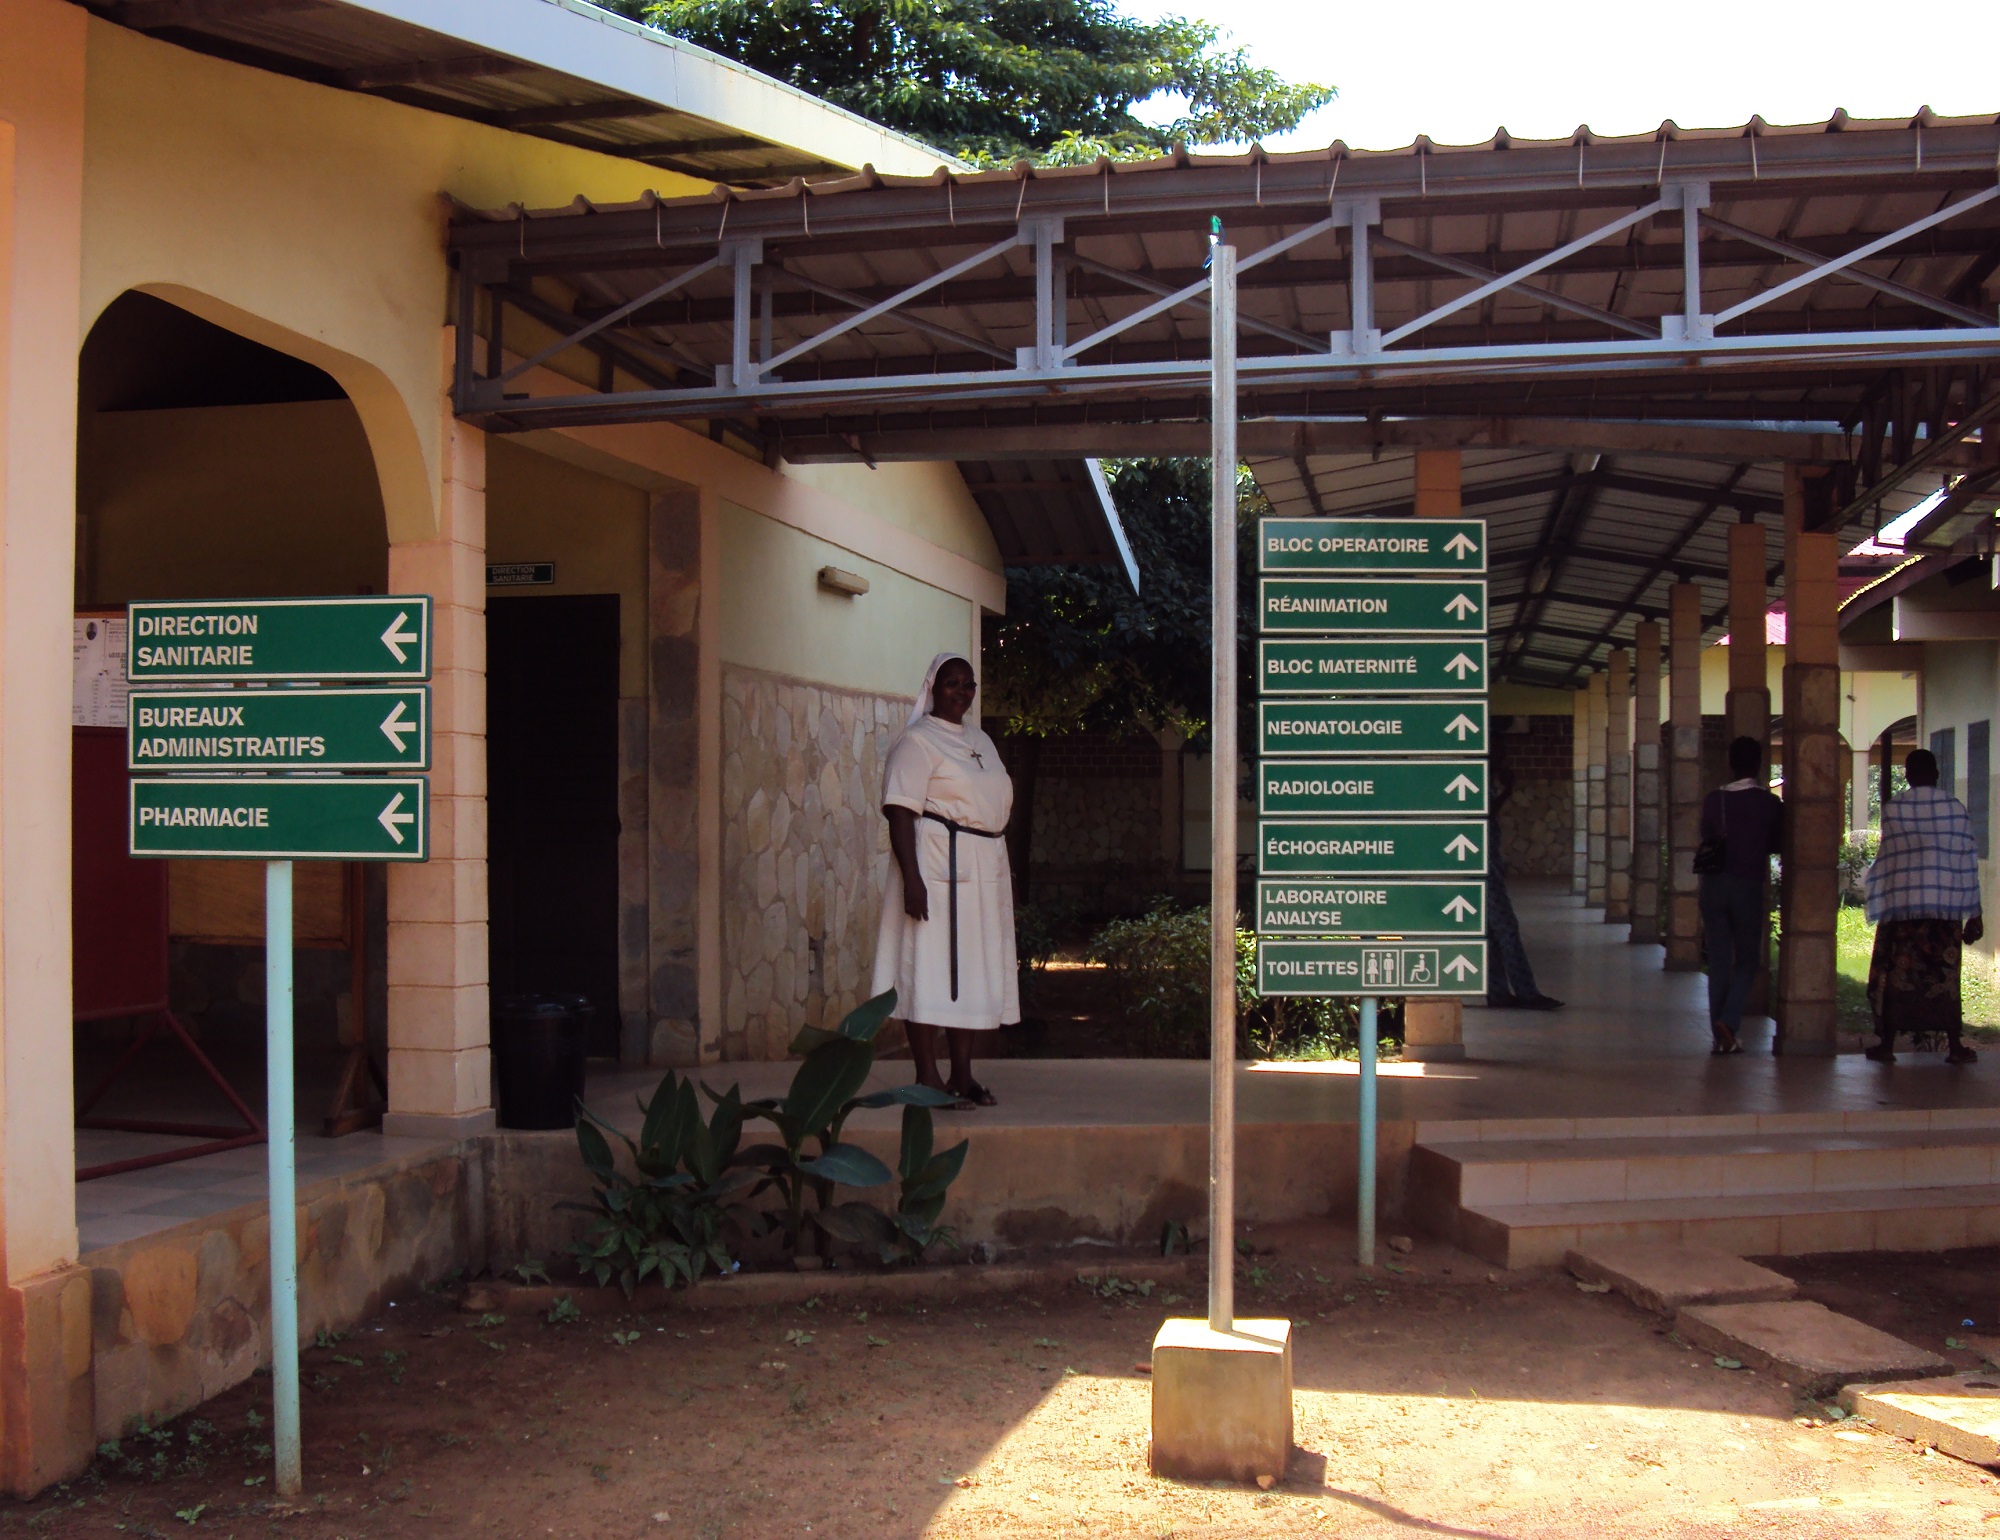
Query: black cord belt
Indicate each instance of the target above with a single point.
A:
(951, 902)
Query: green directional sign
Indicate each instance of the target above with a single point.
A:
(1390, 727)
(344, 637)
(1358, 786)
(1372, 545)
(380, 728)
(1368, 907)
(1392, 667)
(1375, 605)
(1371, 967)
(282, 818)
(1331, 847)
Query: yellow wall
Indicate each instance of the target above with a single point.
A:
(776, 617)
(591, 527)
(926, 498)
(229, 502)
(309, 219)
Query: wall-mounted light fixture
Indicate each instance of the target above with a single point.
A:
(851, 585)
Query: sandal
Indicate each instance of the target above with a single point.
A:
(974, 1095)
(1881, 1053)
(1724, 1050)
(1960, 1054)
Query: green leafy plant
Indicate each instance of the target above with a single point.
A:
(1857, 854)
(563, 1312)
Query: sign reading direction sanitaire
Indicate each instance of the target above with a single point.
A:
(283, 818)
(1372, 545)
(1365, 907)
(1288, 787)
(1371, 967)
(1326, 847)
(221, 640)
(1307, 606)
(383, 728)
(1391, 667)
(1393, 727)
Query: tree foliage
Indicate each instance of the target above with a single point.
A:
(993, 81)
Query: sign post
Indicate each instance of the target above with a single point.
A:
(269, 791)
(1222, 798)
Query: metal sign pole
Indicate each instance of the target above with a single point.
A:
(279, 1117)
(1222, 795)
(1365, 1198)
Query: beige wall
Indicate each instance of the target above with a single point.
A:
(930, 500)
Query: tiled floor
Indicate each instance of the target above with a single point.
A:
(1631, 1043)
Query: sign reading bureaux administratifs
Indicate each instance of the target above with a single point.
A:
(283, 818)
(1374, 606)
(1390, 667)
(363, 636)
(1327, 847)
(1390, 727)
(1321, 967)
(1287, 788)
(381, 728)
(1366, 907)
(1372, 545)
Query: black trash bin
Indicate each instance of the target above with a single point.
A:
(538, 1056)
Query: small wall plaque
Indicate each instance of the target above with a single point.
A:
(519, 574)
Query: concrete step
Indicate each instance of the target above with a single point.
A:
(1813, 1349)
(1663, 1276)
(1959, 1415)
(1744, 1224)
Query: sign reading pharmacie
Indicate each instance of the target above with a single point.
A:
(378, 728)
(1376, 967)
(282, 818)
(351, 636)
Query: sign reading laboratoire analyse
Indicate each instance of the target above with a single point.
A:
(1296, 907)
(1322, 967)
(1287, 788)
(1390, 727)
(383, 728)
(224, 640)
(283, 818)
(1373, 545)
(1330, 847)
(1391, 667)
(1373, 606)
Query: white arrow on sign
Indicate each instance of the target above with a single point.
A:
(394, 727)
(1461, 546)
(1463, 785)
(1461, 908)
(389, 818)
(1460, 967)
(1462, 725)
(1461, 666)
(395, 636)
(1460, 847)
(1460, 606)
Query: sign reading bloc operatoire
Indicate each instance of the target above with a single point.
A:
(1373, 545)
(219, 640)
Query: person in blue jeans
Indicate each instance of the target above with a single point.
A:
(1735, 907)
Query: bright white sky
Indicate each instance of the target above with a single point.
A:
(1458, 70)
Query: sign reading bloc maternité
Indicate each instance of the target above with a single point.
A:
(219, 640)
(1391, 667)
(319, 729)
(1372, 545)
(1318, 967)
(282, 818)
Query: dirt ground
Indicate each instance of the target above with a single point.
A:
(1434, 1396)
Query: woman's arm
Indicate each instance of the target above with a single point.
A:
(903, 846)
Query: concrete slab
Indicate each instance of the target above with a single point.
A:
(1805, 1344)
(1959, 1415)
(1222, 1401)
(1664, 1276)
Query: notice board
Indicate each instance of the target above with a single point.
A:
(118, 906)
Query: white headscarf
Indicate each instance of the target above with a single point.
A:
(922, 708)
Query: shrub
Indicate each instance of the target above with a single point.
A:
(1857, 854)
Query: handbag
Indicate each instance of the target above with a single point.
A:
(1711, 857)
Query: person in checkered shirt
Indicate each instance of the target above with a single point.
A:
(1923, 897)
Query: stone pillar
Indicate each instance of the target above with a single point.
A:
(1748, 704)
(1434, 1029)
(47, 1398)
(1806, 1014)
(1618, 789)
(440, 1062)
(1647, 825)
(1598, 769)
(1579, 820)
(1684, 788)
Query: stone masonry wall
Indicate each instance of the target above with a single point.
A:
(804, 853)
(1535, 825)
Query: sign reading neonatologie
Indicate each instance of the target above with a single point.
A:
(1372, 728)
(382, 728)
(1327, 847)
(1287, 787)
(1375, 605)
(1371, 967)
(1372, 545)
(1388, 667)
(1298, 907)
(361, 636)
(282, 818)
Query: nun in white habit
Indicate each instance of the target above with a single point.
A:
(946, 945)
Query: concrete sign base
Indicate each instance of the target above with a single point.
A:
(1222, 1401)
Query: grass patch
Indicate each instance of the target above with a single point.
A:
(1854, 943)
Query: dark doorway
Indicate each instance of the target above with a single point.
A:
(552, 789)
